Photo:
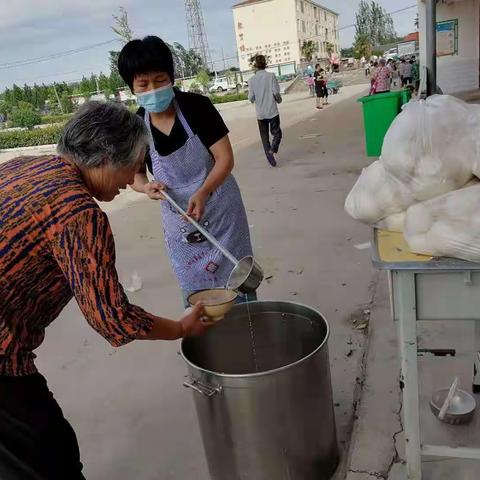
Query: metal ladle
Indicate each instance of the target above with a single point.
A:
(246, 275)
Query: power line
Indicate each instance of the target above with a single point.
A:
(31, 61)
(388, 13)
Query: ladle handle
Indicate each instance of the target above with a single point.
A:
(209, 237)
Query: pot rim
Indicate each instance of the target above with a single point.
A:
(265, 372)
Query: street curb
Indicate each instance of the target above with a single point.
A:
(9, 153)
(374, 445)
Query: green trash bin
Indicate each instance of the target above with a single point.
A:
(379, 111)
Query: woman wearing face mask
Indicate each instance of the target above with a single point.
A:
(190, 156)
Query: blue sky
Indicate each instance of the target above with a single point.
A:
(31, 29)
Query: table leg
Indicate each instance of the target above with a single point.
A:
(408, 352)
(476, 361)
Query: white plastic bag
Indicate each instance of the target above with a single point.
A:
(447, 226)
(394, 222)
(430, 149)
(377, 194)
(432, 145)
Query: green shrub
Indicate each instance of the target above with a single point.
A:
(26, 118)
(229, 97)
(30, 138)
(59, 118)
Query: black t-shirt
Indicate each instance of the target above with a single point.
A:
(319, 78)
(201, 115)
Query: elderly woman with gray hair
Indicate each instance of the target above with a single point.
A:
(381, 78)
(55, 244)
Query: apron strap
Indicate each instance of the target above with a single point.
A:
(183, 120)
(146, 119)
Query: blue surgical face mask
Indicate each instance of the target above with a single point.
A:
(158, 100)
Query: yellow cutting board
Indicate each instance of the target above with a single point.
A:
(392, 247)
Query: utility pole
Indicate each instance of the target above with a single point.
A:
(58, 98)
(223, 57)
(431, 41)
(96, 83)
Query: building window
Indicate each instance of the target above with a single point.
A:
(316, 30)
(302, 7)
(315, 12)
(326, 34)
(239, 25)
(303, 26)
(325, 16)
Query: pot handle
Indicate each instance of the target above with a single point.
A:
(206, 390)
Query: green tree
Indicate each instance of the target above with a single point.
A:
(373, 22)
(66, 103)
(5, 109)
(17, 94)
(330, 48)
(125, 34)
(362, 46)
(27, 94)
(309, 48)
(347, 52)
(105, 85)
(187, 63)
(122, 27)
(25, 116)
(203, 78)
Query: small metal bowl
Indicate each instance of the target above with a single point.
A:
(461, 409)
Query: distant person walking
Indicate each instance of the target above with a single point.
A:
(415, 74)
(407, 73)
(401, 71)
(381, 78)
(264, 91)
(367, 67)
(320, 86)
(311, 85)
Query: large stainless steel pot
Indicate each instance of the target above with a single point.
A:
(265, 409)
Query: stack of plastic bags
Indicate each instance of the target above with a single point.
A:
(431, 149)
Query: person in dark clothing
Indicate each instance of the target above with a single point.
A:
(321, 89)
(191, 156)
(264, 91)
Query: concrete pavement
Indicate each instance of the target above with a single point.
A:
(132, 415)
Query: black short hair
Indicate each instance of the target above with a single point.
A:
(144, 56)
(260, 62)
(317, 65)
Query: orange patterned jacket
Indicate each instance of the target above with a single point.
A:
(55, 243)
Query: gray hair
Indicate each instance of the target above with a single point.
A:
(382, 62)
(103, 132)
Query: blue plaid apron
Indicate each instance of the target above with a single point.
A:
(196, 263)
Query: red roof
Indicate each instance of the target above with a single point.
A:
(411, 37)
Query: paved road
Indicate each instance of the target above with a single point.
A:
(133, 417)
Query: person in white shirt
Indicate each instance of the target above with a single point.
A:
(264, 91)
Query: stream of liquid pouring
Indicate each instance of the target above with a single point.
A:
(252, 334)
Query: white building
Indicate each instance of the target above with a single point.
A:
(458, 44)
(278, 28)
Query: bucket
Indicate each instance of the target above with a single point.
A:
(263, 394)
